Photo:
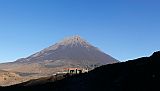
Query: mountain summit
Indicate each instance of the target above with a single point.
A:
(74, 41)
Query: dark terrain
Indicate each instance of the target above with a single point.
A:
(141, 74)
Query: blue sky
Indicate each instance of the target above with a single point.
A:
(124, 29)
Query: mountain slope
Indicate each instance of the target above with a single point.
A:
(70, 52)
(134, 75)
(74, 50)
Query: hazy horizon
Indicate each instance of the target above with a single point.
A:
(123, 29)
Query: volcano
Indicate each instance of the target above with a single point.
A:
(70, 52)
(73, 51)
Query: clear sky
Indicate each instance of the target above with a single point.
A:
(124, 29)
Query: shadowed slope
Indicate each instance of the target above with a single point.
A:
(135, 75)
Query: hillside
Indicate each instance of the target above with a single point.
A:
(134, 75)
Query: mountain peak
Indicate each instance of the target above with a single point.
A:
(74, 41)
(74, 38)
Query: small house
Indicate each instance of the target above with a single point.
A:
(74, 70)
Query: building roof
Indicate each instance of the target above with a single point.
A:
(73, 69)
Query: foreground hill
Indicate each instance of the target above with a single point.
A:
(10, 78)
(142, 74)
